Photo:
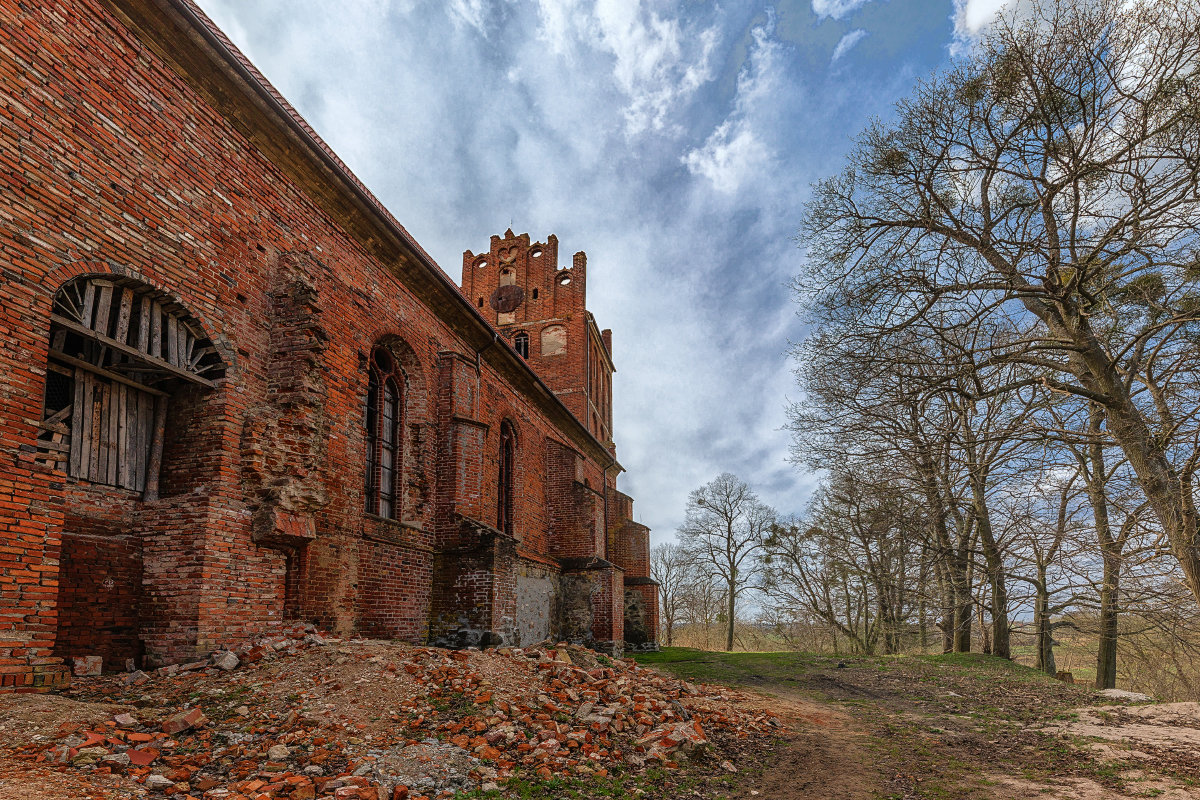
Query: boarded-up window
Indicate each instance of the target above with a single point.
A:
(118, 348)
(116, 425)
(554, 340)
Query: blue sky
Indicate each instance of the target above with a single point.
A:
(674, 142)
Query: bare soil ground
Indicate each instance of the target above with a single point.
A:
(357, 716)
(952, 727)
(304, 717)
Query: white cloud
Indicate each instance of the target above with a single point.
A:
(972, 16)
(731, 153)
(835, 8)
(469, 12)
(847, 42)
(573, 122)
(658, 62)
(971, 19)
(734, 151)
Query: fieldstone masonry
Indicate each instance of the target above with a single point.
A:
(193, 291)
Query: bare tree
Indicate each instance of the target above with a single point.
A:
(1045, 191)
(669, 567)
(723, 535)
(850, 563)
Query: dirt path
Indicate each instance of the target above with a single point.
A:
(824, 758)
(953, 728)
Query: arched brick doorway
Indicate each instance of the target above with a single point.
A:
(121, 355)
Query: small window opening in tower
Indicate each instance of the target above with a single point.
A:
(481, 302)
(535, 294)
(521, 344)
(564, 278)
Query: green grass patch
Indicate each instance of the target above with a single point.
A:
(733, 669)
(752, 669)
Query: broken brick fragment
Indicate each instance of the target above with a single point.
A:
(183, 721)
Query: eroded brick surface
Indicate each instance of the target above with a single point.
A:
(115, 163)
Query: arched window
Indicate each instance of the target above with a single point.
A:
(119, 351)
(521, 344)
(383, 418)
(505, 493)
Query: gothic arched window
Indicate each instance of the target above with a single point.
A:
(385, 394)
(120, 350)
(521, 344)
(506, 485)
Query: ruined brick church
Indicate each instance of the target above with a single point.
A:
(235, 392)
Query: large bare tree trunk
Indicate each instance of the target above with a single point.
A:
(1168, 496)
(730, 608)
(1106, 654)
(995, 568)
(964, 601)
(1111, 548)
(1042, 626)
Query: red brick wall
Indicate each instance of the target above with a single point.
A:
(111, 163)
(99, 602)
(395, 582)
(609, 606)
(579, 375)
(100, 576)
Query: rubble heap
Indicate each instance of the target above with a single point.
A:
(305, 716)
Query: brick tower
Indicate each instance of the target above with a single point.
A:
(539, 307)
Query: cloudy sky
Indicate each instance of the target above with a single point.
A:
(675, 142)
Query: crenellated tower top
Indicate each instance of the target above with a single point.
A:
(540, 307)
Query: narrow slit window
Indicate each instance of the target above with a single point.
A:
(506, 483)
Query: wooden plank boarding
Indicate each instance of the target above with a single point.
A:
(101, 371)
(89, 300)
(100, 439)
(145, 418)
(187, 343)
(92, 424)
(103, 307)
(155, 329)
(144, 324)
(76, 427)
(156, 449)
(114, 428)
(172, 341)
(115, 391)
(133, 351)
(122, 334)
(124, 476)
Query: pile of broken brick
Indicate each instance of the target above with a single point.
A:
(555, 710)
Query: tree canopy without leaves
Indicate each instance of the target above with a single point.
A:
(723, 534)
(1044, 195)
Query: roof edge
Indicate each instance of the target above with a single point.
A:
(409, 262)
